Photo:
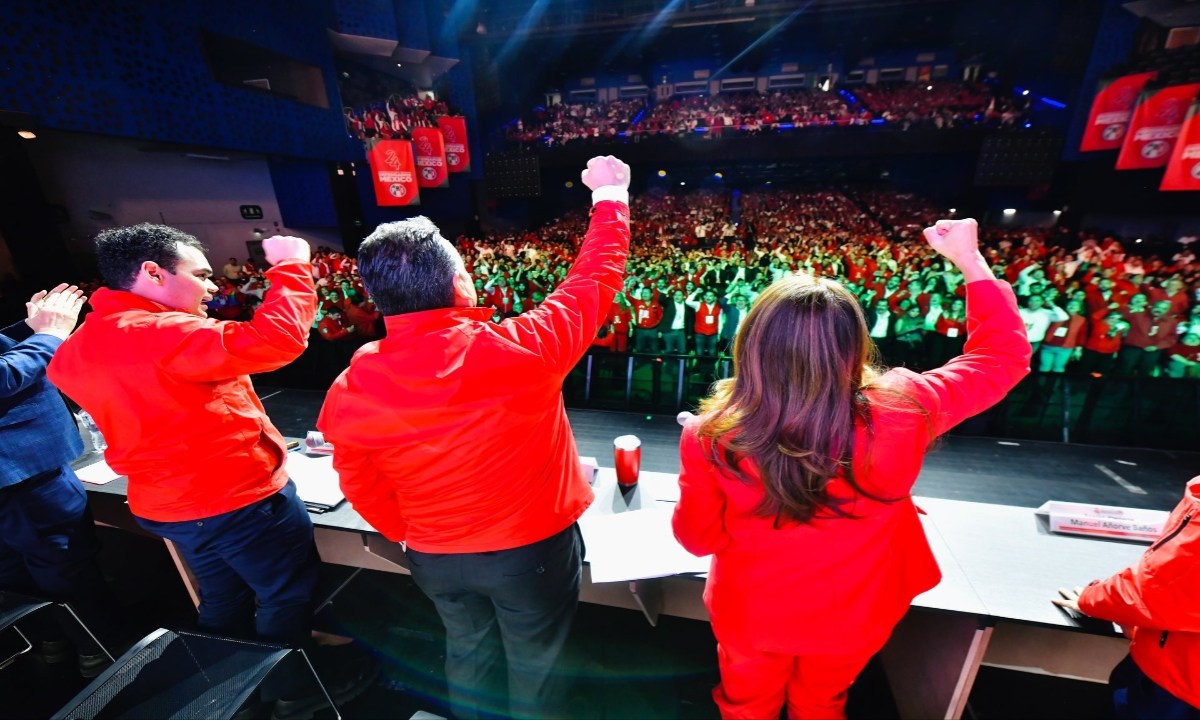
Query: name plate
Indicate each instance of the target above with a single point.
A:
(1104, 521)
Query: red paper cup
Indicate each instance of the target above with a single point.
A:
(627, 458)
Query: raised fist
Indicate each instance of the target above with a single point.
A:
(285, 247)
(957, 240)
(606, 170)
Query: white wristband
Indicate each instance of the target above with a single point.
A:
(610, 192)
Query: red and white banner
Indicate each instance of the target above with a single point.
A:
(431, 158)
(454, 130)
(1183, 170)
(1111, 111)
(393, 173)
(1154, 127)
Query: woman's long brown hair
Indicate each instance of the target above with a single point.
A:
(801, 360)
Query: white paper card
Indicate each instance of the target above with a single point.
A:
(316, 480)
(1104, 520)
(635, 545)
(98, 473)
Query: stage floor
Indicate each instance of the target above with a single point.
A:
(1005, 472)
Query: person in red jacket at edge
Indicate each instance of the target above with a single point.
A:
(797, 478)
(450, 436)
(170, 390)
(1154, 601)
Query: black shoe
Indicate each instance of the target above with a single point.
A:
(343, 684)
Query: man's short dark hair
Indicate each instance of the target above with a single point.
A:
(120, 252)
(405, 268)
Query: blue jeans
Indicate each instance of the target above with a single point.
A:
(48, 549)
(264, 551)
(1137, 697)
(511, 607)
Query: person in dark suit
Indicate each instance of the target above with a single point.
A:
(48, 544)
(676, 320)
(733, 311)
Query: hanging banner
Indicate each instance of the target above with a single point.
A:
(1111, 111)
(1183, 170)
(1154, 127)
(454, 130)
(431, 158)
(393, 173)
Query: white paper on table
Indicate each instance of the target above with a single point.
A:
(98, 473)
(635, 545)
(316, 480)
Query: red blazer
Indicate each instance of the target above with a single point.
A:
(838, 585)
(1156, 599)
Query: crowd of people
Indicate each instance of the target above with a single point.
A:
(698, 264)
(394, 118)
(563, 123)
(940, 104)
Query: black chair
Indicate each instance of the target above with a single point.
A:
(180, 675)
(15, 607)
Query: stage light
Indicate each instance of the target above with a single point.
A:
(399, 64)
(682, 182)
(1010, 211)
(718, 175)
(1057, 213)
(341, 171)
(953, 210)
(570, 184)
(27, 134)
(662, 173)
(1138, 240)
(928, 87)
(1024, 92)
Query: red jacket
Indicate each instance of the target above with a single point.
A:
(647, 314)
(450, 433)
(839, 585)
(1156, 600)
(171, 394)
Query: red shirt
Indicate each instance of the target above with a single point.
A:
(708, 319)
(838, 585)
(450, 433)
(647, 314)
(1066, 334)
(170, 392)
(1156, 599)
(619, 318)
(1102, 339)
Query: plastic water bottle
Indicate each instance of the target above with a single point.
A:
(99, 444)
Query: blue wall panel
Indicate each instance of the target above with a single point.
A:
(137, 69)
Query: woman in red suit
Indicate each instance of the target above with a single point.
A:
(797, 479)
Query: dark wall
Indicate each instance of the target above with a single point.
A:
(137, 69)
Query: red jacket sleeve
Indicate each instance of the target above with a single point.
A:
(1160, 590)
(372, 496)
(995, 358)
(699, 518)
(561, 328)
(205, 350)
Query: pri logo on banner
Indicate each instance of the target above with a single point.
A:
(1111, 111)
(1155, 126)
(454, 131)
(431, 157)
(395, 178)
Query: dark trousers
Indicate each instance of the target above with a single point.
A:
(675, 342)
(645, 340)
(264, 552)
(1094, 362)
(1137, 697)
(511, 607)
(1136, 361)
(706, 344)
(48, 549)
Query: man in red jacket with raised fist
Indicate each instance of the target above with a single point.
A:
(451, 436)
